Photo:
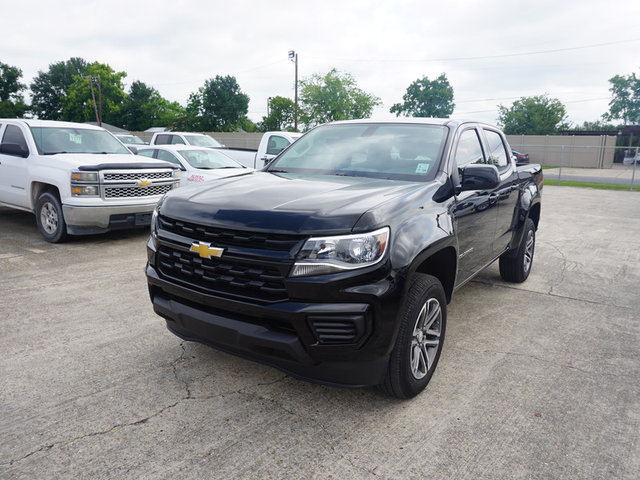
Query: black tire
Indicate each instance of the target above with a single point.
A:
(423, 318)
(50, 218)
(515, 266)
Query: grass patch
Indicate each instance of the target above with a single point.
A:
(603, 186)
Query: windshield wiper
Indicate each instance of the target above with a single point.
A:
(53, 153)
(278, 171)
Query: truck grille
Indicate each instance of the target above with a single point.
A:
(133, 192)
(228, 276)
(227, 238)
(114, 177)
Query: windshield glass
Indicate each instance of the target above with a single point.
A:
(393, 151)
(202, 141)
(52, 140)
(208, 159)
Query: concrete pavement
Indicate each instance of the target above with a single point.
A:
(536, 381)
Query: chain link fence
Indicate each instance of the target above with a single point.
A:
(601, 163)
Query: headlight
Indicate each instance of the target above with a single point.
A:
(84, 176)
(85, 190)
(154, 223)
(177, 173)
(346, 252)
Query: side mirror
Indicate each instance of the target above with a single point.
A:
(14, 149)
(480, 177)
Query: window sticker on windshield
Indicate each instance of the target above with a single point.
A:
(75, 138)
(422, 168)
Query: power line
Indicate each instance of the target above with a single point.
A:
(482, 57)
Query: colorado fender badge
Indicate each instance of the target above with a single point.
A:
(205, 250)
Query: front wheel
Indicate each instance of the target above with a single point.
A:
(516, 267)
(50, 218)
(423, 318)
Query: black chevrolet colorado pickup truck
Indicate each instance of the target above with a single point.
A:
(336, 262)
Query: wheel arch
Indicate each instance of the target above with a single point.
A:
(38, 188)
(442, 264)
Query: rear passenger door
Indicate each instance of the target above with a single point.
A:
(506, 195)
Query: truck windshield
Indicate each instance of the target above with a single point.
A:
(52, 140)
(391, 151)
(208, 159)
(202, 141)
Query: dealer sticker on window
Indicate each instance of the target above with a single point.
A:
(422, 168)
(75, 138)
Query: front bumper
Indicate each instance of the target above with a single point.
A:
(286, 334)
(99, 219)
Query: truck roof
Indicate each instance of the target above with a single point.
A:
(51, 123)
(413, 120)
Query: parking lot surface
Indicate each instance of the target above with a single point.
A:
(536, 381)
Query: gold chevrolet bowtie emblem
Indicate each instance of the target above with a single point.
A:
(205, 250)
(143, 182)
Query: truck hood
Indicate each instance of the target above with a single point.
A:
(75, 160)
(285, 203)
(198, 175)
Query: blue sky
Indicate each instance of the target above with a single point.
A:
(493, 52)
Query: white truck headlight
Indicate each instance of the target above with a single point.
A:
(338, 253)
(84, 176)
(85, 190)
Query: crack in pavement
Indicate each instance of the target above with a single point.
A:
(555, 295)
(564, 266)
(89, 435)
(175, 371)
(548, 362)
(144, 420)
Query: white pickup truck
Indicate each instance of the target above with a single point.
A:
(271, 144)
(77, 178)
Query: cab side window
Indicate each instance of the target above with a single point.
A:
(13, 135)
(163, 139)
(469, 148)
(497, 151)
(146, 153)
(168, 157)
(276, 144)
(176, 140)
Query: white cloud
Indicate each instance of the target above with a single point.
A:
(176, 45)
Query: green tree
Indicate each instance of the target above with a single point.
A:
(597, 125)
(281, 115)
(537, 115)
(427, 98)
(144, 108)
(49, 89)
(78, 105)
(218, 106)
(625, 101)
(11, 100)
(334, 96)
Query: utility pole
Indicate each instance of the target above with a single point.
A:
(97, 107)
(99, 101)
(93, 97)
(293, 56)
